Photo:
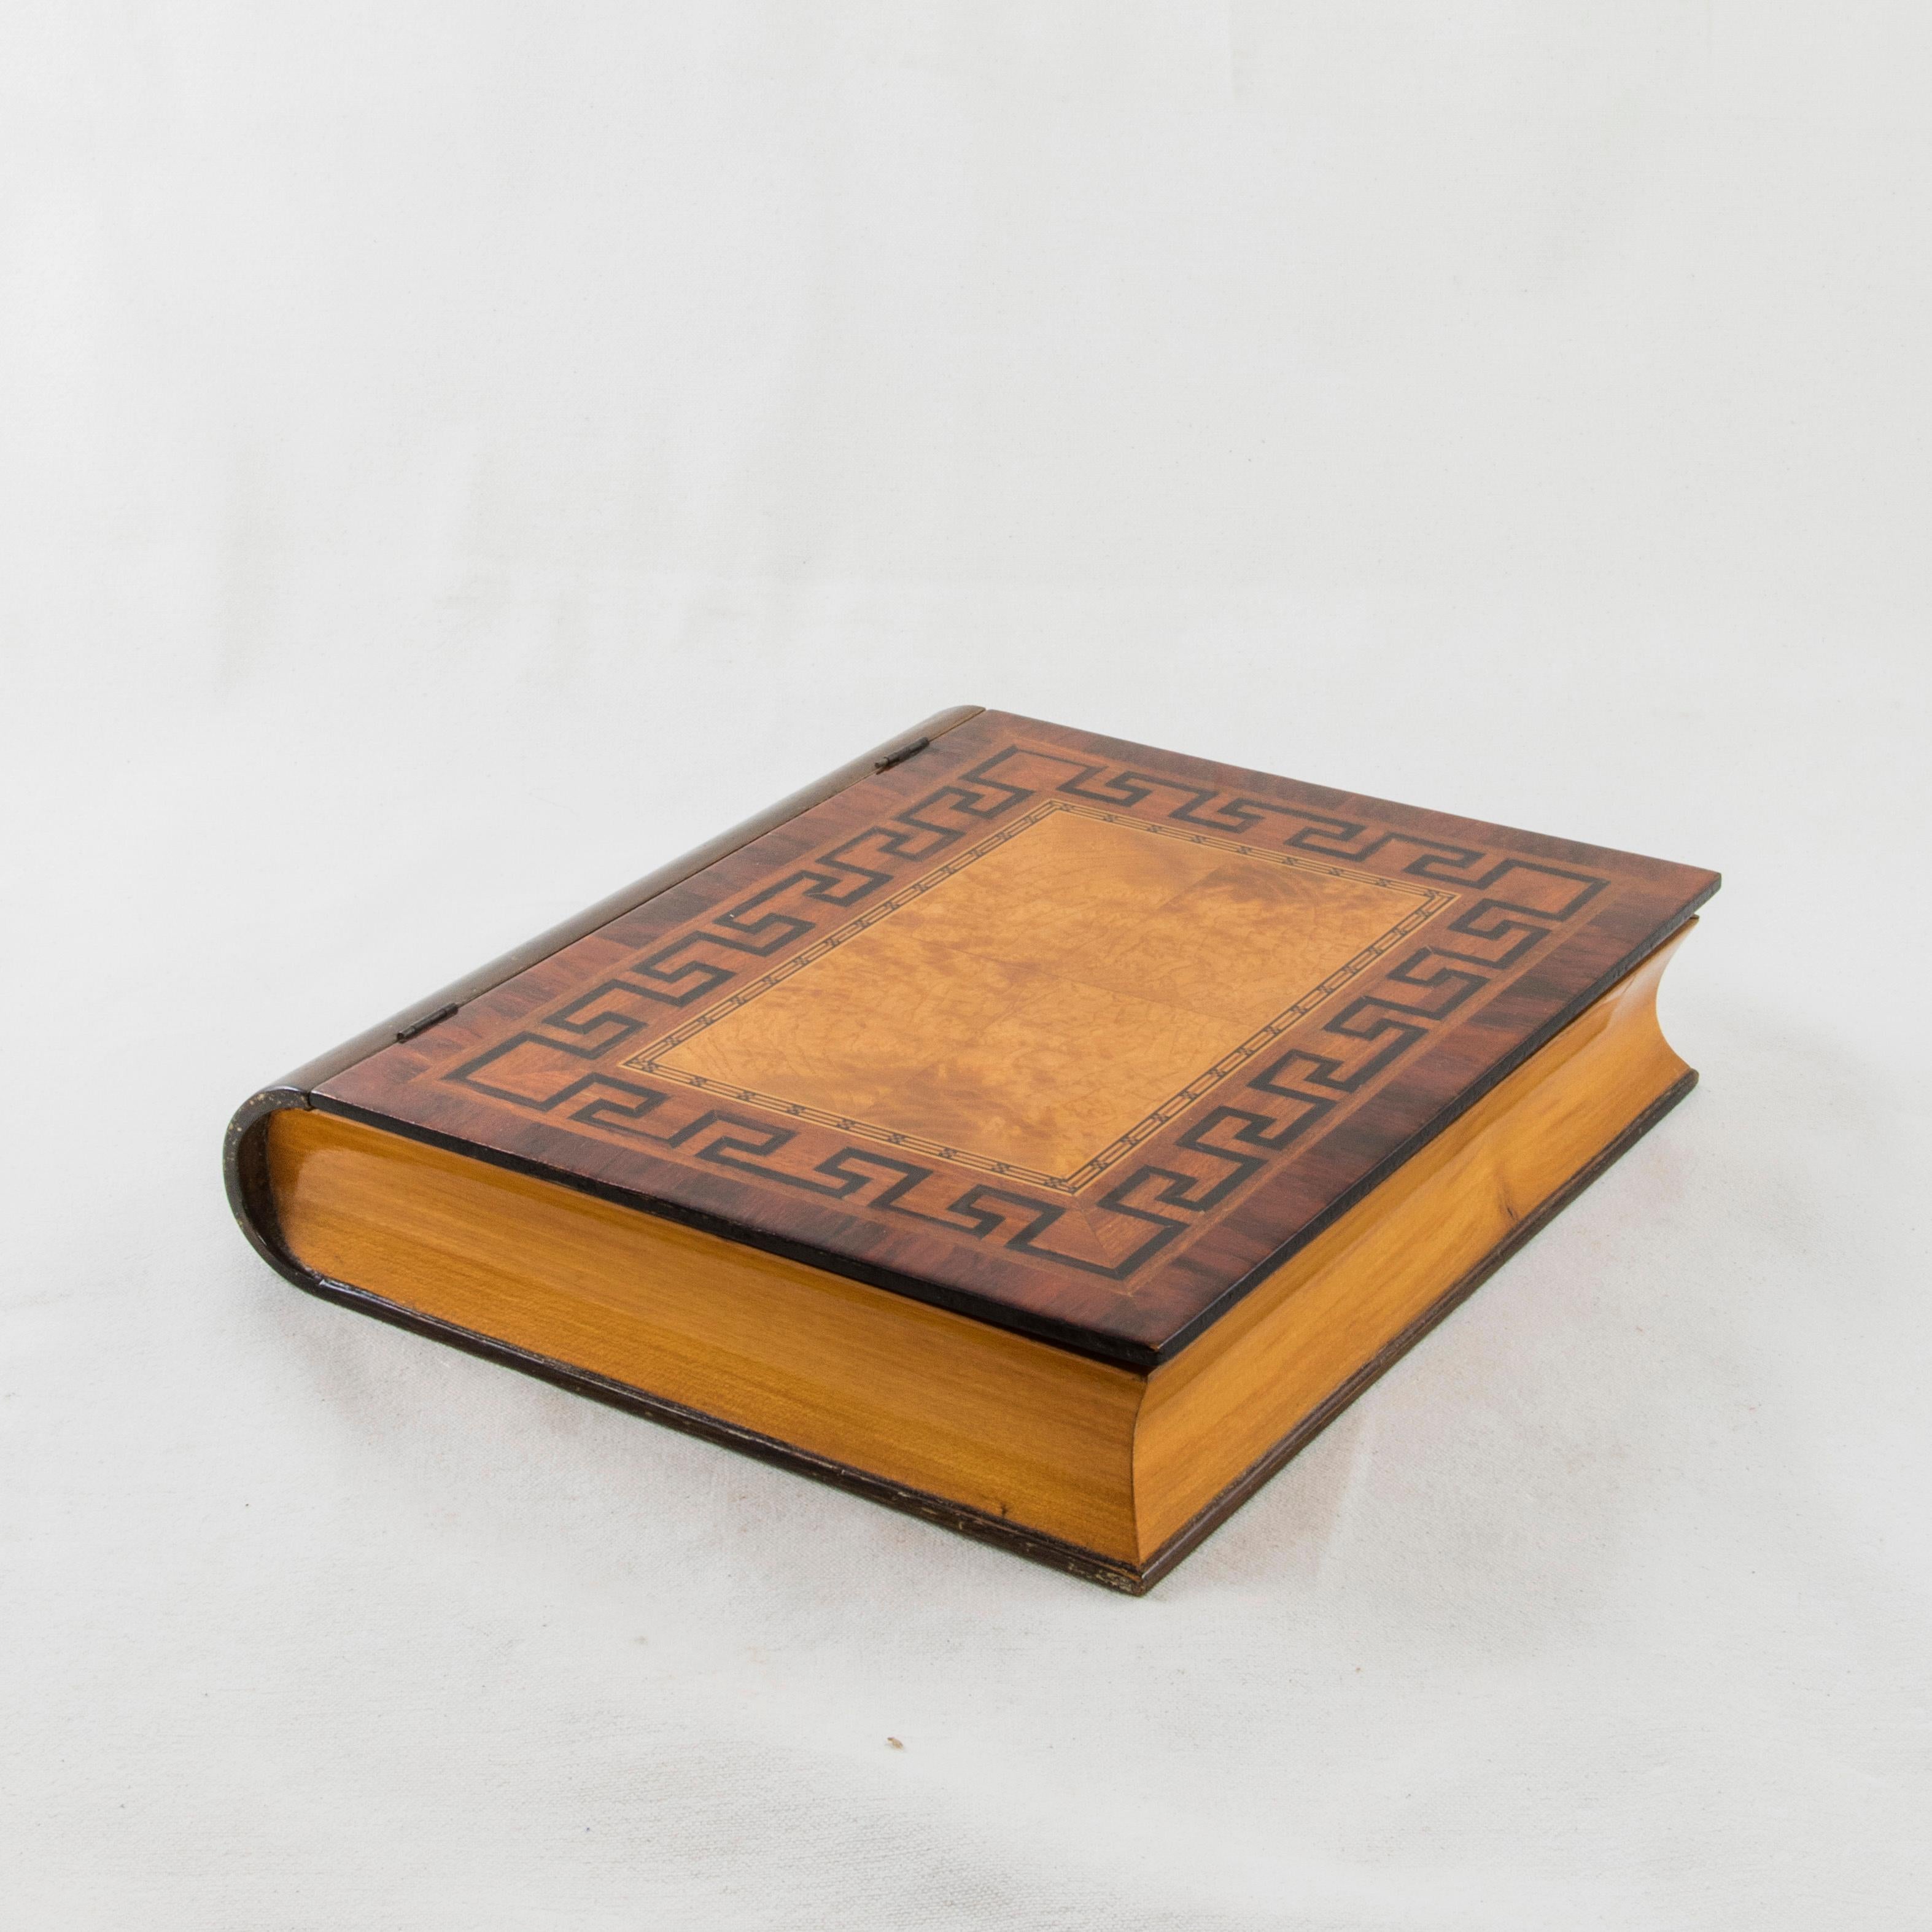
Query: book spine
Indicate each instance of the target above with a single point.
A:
(245, 1164)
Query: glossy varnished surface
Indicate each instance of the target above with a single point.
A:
(1093, 1089)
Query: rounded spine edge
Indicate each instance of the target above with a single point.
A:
(244, 1174)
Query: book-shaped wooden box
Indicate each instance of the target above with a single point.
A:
(1042, 1133)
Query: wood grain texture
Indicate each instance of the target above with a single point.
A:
(1046, 1001)
(1005, 1425)
(878, 1038)
(1341, 1300)
(1117, 1470)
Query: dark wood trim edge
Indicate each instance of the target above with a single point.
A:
(244, 1174)
(1192, 1533)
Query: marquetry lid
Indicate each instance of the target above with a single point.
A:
(1074, 1035)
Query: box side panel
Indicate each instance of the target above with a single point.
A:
(1256, 1377)
(1013, 1428)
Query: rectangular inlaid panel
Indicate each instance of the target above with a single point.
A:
(1041, 1006)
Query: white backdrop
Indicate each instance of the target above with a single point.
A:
(454, 457)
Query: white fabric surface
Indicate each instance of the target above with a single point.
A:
(456, 458)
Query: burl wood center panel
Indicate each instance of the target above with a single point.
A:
(1041, 1006)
